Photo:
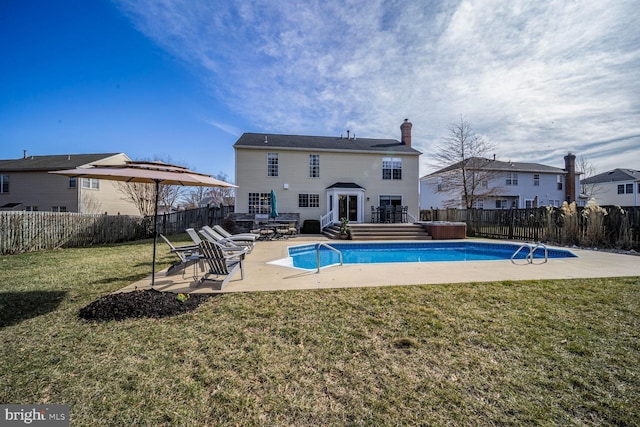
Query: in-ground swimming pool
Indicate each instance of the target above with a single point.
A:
(305, 256)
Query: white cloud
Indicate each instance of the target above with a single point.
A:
(537, 78)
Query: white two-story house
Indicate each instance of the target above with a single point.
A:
(324, 176)
(618, 187)
(503, 185)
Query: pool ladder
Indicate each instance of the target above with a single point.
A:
(328, 247)
(532, 248)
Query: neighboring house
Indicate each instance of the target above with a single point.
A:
(319, 176)
(505, 185)
(26, 185)
(618, 187)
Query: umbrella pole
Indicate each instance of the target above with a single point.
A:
(155, 235)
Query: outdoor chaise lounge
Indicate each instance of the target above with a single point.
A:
(238, 236)
(232, 245)
(228, 242)
(222, 263)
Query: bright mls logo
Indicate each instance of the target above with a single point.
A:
(36, 415)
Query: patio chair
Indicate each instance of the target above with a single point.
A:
(231, 244)
(221, 262)
(194, 236)
(238, 236)
(187, 254)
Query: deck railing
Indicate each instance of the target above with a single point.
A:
(326, 220)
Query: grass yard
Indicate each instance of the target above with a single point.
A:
(517, 353)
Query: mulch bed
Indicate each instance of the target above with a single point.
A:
(140, 304)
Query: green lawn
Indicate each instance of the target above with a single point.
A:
(516, 353)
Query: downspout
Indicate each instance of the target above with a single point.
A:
(79, 185)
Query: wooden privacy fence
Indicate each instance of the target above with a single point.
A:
(34, 231)
(608, 226)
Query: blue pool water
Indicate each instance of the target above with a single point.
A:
(364, 253)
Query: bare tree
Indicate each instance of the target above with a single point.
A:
(90, 204)
(465, 171)
(143, 195)
(168, 195)
(590, 189)
(214, 196)
(140, 194)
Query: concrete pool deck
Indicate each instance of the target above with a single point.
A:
(260, 275)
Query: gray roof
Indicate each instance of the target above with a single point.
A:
(481, 163)
(614, 176)
(320, 143)
(51, 163)
(352, 185)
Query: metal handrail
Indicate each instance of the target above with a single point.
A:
(546, 252)
(524, 245)
(329, 247)
(532, 249)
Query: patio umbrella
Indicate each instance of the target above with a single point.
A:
(274, 205)
(150, 173)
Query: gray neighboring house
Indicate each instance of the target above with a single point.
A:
(323, 176)
(26, 185)
(509, 185)
(617, 187)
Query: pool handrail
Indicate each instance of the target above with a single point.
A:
(532, 249)
(328, 247)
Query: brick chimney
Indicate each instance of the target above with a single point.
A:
(570, 184)
(405, 132)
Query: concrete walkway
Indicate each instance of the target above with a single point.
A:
(261, 275)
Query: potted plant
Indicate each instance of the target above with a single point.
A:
(345, 232)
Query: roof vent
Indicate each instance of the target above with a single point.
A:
(266, 141)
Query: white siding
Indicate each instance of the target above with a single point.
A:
(364, 169)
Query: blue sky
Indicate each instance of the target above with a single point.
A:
(182, 80)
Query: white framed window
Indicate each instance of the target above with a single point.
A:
(391, 168)
(4, 183)
(512, 179)
(58, 208)
(389, 200)
(479, 204)
(92, 183)
(439, 183)
(314, 165)
(559, 181)
(308, 200)
(554, 203)
(31, 208)
(629, 188)
(536, 180)
(259, 203)
(73, 182)
(528, 203)
(502, 204)
(272, 164)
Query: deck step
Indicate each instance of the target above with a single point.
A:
(381, 232)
